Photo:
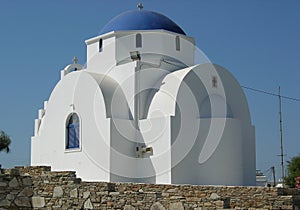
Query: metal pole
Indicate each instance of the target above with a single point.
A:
(137, 102)
(136, 94)
(281, 144)
(274, 179)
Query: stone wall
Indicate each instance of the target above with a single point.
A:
(39, 188)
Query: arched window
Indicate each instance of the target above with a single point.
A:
(138, 40)
(72, 132)
(177, 43)
(100, 45)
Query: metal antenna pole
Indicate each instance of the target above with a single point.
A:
(281, 144)
(274, 179)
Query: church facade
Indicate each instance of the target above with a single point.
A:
(142, 110)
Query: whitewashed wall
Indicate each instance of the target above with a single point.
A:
(200, 133)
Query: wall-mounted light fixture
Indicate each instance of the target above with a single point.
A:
(140, 151)
(135, 55)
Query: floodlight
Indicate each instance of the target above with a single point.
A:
(135, 55)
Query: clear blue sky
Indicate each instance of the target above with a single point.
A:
(257, 40)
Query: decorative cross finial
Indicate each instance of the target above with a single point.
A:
(75, 60)
(214, 81)
(140, 6)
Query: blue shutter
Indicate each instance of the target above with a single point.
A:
(73, 136)
(76, 130)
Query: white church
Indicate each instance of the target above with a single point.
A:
(142, 110)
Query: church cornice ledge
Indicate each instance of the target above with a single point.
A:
(128, 32)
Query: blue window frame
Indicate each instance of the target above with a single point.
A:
(73, 129)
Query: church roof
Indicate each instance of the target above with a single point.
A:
(141, 20)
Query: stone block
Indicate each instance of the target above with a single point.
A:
(13, 183)
(77, 181)
(129, 207)
(88, 204)
(214, 196)
(86, 194)
(165, 194)
(58, 192)
(26, 192)
(219, 204)
(176, 206)
(207, 204)
(38, 202)
(122, 202)
(14, 172)
(22, 202)
(157, 206)
(114, 193)
(172, 190)
(27, 181)
(5, 203)
(109, 204)
(10, 197)
(3, 184)
(176, 197)
(74, 193)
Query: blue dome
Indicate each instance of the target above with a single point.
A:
(141, 20)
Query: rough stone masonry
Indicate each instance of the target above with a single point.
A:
(40, 188)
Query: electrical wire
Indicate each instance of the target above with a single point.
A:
(272, 94)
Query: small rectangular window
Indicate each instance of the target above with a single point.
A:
(138, 41)
(177, 43)
(100, 45)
